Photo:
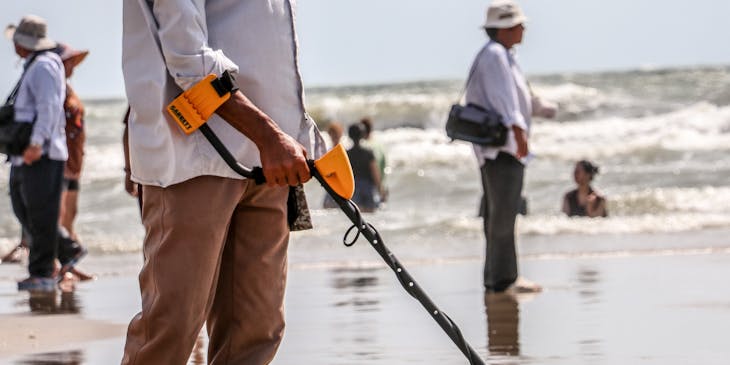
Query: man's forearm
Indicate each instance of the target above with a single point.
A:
(248, 119)
(283, 159)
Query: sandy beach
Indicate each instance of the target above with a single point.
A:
(654, 307)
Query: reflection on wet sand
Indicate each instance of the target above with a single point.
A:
(69, 303)
(355, 286)
(590, 343)
(75, 357)
(588, 281)
(503, 318)
(357, 297)
(54, 303)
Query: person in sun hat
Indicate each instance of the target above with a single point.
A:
(75, 138)
(30, 34)
(496, 82)
(36, 175)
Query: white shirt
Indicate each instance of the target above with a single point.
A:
(40, 98)
(254, 39)
(497, 84)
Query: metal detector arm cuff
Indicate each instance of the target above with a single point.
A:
(192, 108)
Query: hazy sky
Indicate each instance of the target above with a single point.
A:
(371, 41)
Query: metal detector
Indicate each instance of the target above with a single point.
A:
(334, 173)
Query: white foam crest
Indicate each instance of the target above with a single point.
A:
(576, 99)
(412, 147)
(103, 162)
(627, 253)
(708, 199)
(700, 127)
(388, 109)
(644, 223)
(106, 109)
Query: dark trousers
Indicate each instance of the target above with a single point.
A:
(502, 183)
(35, 193)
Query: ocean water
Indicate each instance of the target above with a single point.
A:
(660, 137)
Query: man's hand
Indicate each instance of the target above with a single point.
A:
(521, 139)
(283, 159)
(32, 154)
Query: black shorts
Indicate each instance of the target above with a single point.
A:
(71, 184)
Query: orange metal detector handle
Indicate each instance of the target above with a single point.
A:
(194, 106)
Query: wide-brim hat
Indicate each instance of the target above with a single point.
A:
(70, 54)
(30, 33)
(502, 14)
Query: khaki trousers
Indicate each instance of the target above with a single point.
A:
(215, 251)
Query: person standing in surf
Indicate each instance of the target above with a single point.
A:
(497, 83)
(75, 138)
(365, 169)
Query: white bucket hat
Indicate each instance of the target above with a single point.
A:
(30, 33)
(503, 14)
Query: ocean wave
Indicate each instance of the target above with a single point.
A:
(700, 127)
(664, 153)
(629, 224)
(387, 109)
(708, 199)
(103, 162)
(577, 102)
(105, 110)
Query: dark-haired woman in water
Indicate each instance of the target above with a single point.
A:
(584, 201)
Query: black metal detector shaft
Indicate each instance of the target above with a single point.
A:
(372, 235)
(406, 280)
(256, 173)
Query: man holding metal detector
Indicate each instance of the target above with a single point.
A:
(216, 244)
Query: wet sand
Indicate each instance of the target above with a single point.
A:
(643, 309)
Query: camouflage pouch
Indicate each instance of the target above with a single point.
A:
(298, 210)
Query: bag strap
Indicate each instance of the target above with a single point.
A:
(14, 93)
(473, 69)
(471, 73)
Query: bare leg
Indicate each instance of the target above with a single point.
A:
(82, 276)
(15, 255)
(69, 209)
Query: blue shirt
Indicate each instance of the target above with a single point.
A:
(40, 98)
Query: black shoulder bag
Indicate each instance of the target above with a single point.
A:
(14, 136)
(474, 123)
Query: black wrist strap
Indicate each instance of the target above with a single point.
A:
(225, 84)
